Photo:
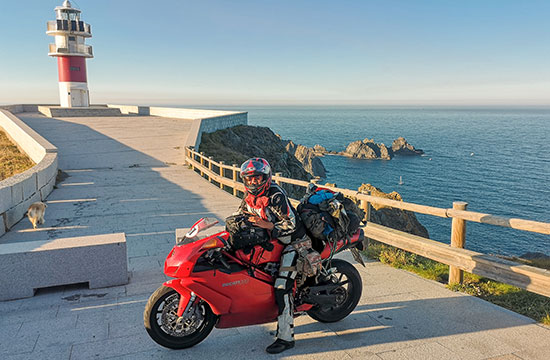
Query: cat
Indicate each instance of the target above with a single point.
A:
(36, 213)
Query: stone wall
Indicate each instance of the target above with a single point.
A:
(35, 184)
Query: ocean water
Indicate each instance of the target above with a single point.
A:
(497, 160)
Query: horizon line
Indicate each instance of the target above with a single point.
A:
(232, 104)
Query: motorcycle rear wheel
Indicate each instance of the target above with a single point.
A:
(161, 320)
(349, 293)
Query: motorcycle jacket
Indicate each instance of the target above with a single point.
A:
(274, 207)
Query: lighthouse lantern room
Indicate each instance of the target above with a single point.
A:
(70, 33)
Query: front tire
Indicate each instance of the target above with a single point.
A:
(348, 294)
(161, 320)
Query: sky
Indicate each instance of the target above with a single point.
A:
(260, 52)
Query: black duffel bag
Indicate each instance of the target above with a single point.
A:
(244, 235)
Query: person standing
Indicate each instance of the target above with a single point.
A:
(269, 208)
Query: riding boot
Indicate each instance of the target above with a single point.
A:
(285, 327)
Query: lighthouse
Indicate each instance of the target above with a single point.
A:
(70, 33)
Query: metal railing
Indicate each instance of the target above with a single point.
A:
(80, 50)
(455, 255)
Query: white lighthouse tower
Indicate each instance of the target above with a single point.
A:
(70, 33)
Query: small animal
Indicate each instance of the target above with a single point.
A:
(36, 213)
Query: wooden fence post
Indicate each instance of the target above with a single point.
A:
(210, 158)
(221, 173)
(202, 162)
(458, 240)
(235, 191)
(365, 206)
(278, 182)
(188, 155)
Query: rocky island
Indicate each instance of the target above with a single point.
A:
(369, 149)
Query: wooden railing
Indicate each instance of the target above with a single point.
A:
(459, 259)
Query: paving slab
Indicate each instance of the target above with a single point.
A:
(126, 174)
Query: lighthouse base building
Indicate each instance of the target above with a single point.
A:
(73, 87)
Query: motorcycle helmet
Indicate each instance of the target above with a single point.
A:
(252, 168)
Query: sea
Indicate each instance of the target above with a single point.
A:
(495, 159)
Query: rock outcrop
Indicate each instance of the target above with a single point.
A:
(400, 146)
(367, 149)
(320, 150)
(308, 157)
(394, 218)
(239, 143)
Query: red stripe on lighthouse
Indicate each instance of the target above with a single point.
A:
(71, 68)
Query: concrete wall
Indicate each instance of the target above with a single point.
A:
(209, 125)
(203, 120)
(90, 111)
(19, 108)
(99, 260)
(35, 184)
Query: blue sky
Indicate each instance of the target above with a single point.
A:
(471, 52)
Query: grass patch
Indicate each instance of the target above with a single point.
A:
(12, 160)
(535, 306)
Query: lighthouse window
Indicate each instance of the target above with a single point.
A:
(72, 38)
(74, 68)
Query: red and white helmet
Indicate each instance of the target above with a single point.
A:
(254, 167)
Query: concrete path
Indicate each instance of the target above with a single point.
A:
(125, 175)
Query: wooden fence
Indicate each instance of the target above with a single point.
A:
(455, 255)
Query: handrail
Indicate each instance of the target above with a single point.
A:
(459, 259)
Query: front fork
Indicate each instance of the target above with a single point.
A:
(187, 298)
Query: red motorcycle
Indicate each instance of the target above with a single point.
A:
(216, 287)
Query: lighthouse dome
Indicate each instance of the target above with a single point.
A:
(67, 3)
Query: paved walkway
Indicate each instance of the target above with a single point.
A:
(125, 174)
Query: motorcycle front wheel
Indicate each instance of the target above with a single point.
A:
(347, 293)
(162, 324)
